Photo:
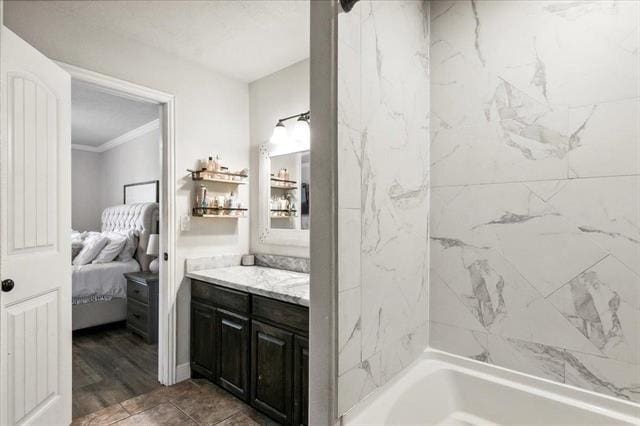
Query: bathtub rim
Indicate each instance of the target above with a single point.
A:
(615, 408)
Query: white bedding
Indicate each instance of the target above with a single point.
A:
(101, 281)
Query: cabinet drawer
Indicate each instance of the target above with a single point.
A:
(219, 296)
(137, 315)
(286, 314)
(137, 291)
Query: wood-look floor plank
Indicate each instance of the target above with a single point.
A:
(111, 365)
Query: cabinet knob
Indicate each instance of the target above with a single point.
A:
(7, 285)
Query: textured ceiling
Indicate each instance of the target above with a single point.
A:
(243, 39)
(98, 117)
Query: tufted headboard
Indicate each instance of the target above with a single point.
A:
(141, 217)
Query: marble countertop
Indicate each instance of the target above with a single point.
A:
(288, 286)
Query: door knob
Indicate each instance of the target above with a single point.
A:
(7, 285)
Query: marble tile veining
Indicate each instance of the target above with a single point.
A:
(211, 262)
(289, 263)
(383, 121)
(535, 212)
(279, 284)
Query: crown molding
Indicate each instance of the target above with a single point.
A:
(122, 139)
(88, 148)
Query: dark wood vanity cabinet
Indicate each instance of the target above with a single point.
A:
(254, 347)
(202, 341)
(233, 333)
(301, 380)
(272, 369)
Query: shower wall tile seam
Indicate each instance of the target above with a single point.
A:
(560, 348)
(510, 182)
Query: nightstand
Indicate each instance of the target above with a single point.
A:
(142, 305)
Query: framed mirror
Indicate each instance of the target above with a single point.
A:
(284, 195)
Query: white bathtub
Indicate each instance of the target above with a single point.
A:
(444, 389)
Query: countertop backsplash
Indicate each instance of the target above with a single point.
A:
(287, 263)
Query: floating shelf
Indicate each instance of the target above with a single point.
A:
(275, 179)
(284, 214)
(219, 176)
(280, 186)
(217, 212)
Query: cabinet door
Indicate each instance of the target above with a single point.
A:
(301, 381)
(272, 371)
(233, 353)
(203, 340)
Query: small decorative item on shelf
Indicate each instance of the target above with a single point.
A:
(277, 182)
(211, 203)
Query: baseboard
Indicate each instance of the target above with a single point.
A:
(183, 372)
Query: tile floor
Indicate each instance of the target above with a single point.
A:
(192, 402)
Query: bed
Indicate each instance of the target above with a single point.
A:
(99, 291)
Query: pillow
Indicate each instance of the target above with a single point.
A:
(112, 249)
(76, 247)
(93, 245)
(78, 236)
(130, 247)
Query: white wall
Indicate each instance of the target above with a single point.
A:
(98, 177)
(212, 116)
(278, 95)
(138, 160)
(86, 190)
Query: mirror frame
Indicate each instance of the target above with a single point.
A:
(267, 235)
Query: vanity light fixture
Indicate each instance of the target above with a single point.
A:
(279, 135)
(301, 132)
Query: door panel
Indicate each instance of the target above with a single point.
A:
(32, 343)
(233, 353)
(271, 371)
(32, 122)
(203, 339)
(35, 251)
(301, 381)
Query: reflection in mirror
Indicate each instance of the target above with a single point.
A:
(289, 191)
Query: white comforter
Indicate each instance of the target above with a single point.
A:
(101, 281)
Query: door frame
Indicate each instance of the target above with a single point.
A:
(167, 288)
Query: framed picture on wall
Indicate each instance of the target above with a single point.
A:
(142, 192)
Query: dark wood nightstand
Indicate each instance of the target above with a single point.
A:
(142, 304)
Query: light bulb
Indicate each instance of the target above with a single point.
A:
(279, 135)
(302, 132)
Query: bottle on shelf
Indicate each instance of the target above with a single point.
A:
(202, 199)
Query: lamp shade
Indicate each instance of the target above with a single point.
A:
(153, 247)
(302, 133)
(279, 135)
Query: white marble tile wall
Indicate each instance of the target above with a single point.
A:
(535, 199)
(383, 108)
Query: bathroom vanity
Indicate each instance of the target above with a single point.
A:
(250, 336)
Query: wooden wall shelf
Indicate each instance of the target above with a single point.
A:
(219, 177)
(217, 212)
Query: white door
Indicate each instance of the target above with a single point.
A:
(35, 252)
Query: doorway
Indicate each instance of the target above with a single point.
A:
(164, 349)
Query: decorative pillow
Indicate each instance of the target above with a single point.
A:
(113, 248)
(93, 245)
(76, 247)
(130, 247)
